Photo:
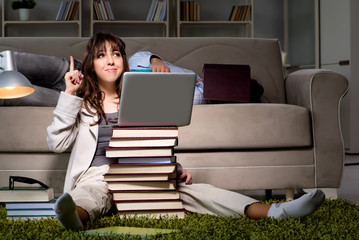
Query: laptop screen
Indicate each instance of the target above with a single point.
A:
(156, 99)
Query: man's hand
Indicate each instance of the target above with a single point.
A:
(158, 65)
(184, 176)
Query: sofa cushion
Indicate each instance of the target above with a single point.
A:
(245, 126)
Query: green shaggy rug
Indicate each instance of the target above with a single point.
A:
(335, 219)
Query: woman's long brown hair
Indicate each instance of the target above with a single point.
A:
(89, 90)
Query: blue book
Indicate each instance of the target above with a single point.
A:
(141, 70)
(147, 160)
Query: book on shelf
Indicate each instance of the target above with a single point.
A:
(147, 160)
(144, 195)
(240, 13)
(25, 194)
(152, 10)
(103, 10)
(156, 18)
(233, 14)
(142, 185)
(154, 213)
(190, 11)
(73, 11)
(157, 10)
(141, 168)
(140, 176)
(143, 142)
(169, 131)
(162, 204)
(67, 10)
(115, 152)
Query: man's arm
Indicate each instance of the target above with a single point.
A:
(142, 61)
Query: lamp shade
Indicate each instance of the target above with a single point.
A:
(12, 83)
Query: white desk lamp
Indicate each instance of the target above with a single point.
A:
(12, 83)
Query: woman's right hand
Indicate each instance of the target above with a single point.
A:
(73, 78)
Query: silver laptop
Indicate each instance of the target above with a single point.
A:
(156, 99)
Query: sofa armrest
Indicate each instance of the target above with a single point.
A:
(321, 91)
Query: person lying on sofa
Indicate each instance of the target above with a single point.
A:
(89, 99)
(46, 73)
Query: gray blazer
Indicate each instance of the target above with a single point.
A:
(66, 131)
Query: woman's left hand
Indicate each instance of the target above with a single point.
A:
(184, 176)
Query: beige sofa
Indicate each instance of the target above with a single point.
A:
(292, 139)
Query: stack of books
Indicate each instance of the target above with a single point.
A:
(28, 202)
(143, 182)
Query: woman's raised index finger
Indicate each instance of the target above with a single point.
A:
(72, 65)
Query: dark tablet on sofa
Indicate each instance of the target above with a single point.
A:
(226, 82)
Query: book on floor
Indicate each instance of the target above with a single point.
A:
(131, 231)
(31, 213)
(30, 210)
(25, 194)
(30, 205)
(142, 168)
(142, 185)
(144, 195)
(169, 131)
(143, 142)
(140, 176)
(141, 205)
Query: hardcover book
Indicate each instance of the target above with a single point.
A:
(142, 168)
(163, 204)
(144, 185)
(226, 82)
(30, 205)
(115, 152)
(26, 194)
(131, 231)
(143, 142)
(154, 213)
(145, 131)
(145, 195)
(147, 160)
(140, 177)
